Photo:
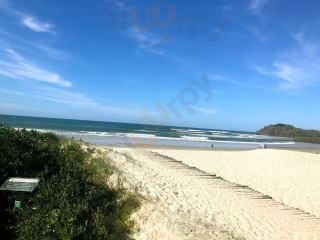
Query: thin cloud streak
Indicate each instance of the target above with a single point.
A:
(238, 83)
(49, 51)
(17, 67)
(35, 25)
(145, 39)
(256, 6)
(74, 100)
(296, 68)
(28, 21)
(118, 5)
(151, 43)
(80, 100)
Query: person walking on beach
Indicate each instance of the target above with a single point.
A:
(212, 146)
(262, 146)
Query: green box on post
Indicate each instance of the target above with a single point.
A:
(17, 204)
(19, 186)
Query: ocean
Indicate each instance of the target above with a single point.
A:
(126, 134)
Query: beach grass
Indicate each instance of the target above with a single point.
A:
(73, 199)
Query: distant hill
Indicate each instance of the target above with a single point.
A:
(284, 130)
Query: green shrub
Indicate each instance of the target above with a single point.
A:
(72, 200)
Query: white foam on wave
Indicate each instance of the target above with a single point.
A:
(106, 134)
(187, 130)
(147, 131)
(239, 136)
(136, 135)
(217, 132)
(186, 138)
(252, 136)
(194, 138)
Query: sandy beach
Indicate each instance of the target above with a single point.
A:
(220, 194)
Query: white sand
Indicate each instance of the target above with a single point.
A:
(182, 203)
(290, 177)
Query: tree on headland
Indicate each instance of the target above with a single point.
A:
(285, 130)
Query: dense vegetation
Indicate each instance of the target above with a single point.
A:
(298, 134)
(73, 199)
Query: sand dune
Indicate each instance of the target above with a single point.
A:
(202, 195)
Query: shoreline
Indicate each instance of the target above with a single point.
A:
(187, 148)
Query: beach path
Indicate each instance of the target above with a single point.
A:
(186, 199)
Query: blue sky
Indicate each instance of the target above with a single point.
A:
(219, 64)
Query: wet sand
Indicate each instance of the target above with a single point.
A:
(147, 146)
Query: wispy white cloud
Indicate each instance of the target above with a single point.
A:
(206, 110)
(27, 20)
(73, 99)
(146, 39)
(26, 44)
(36, 25)
(7, 74)
(148, 42)
(55, 95)
(15, 66)
(294, 76)
(80, 100)
(4, 4)
(65, 97)
(236, 81)
(118, 5)
(296, 68)
(53, 52)
(255, 6)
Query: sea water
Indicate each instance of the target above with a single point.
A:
(125, 134)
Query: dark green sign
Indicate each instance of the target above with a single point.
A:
(17, 204)
(20, 184)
